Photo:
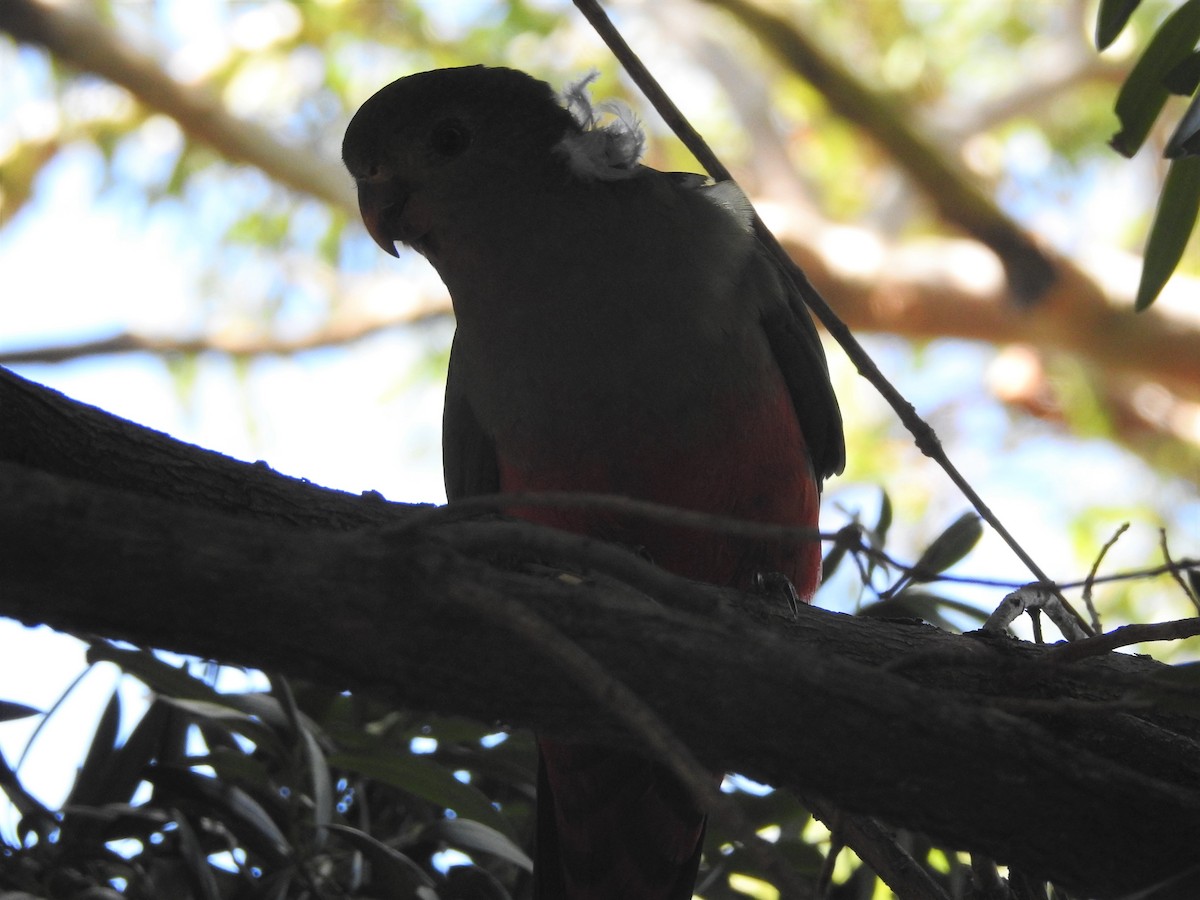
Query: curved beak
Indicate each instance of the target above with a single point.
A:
(381, 202)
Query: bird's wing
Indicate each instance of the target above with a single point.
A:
(798, 353)
(789, 328)
(468, 454)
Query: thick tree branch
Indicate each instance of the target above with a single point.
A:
(108, 529)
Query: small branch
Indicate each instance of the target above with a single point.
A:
(1124, 636)
(1091, 577)
(1175, 570)
(335, 334)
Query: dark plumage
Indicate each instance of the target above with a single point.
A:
(619, 330)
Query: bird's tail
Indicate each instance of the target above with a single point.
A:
(612, 825)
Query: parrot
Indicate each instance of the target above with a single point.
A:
(619, 330)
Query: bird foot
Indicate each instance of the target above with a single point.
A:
(776, 584)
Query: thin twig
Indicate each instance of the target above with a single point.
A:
(1174, 570)
(1124, 636)
(1091, 578)
(924, 436)
(332, 334)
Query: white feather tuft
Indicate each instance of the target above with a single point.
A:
(606, 152)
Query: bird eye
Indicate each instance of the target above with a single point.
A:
(449, 138)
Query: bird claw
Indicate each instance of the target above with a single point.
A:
(776, 583)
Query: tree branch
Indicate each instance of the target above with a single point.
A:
(110, 529)
(334, 334)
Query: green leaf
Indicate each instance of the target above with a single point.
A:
(1111, 19)
(427, 780)
(832, 560)
(885, 517)
(1184, 78)
(195, 859)
(1173, 222)
(231, 806)
(1185, 139)
(322, 787)
(393, 873)
(912, 603)
(91, 784)
(466, 834)
(157, 675)
(237, 768)
(234, 720)
(949, 547)
(1145, 91)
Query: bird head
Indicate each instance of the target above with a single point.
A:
(436, 140)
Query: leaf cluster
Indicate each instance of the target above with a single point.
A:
(293, 791)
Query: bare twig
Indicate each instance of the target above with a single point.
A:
(335, 334)
(1175, 570)
(1125, 636)
(1091, 578)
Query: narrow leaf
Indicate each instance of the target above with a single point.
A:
(195, 859)
(1185, 139)
(153, 672)
(1145, 91)
(233, 807)
(426, 780)
(1111, 18)
(90, 788)
(393, 871)
(949, 547)
(10, 711)
(885, 517)
(1173, 222)
(469, 835)
(1184, 78)
(322, 787)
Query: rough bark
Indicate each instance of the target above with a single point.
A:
(1066, 769)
